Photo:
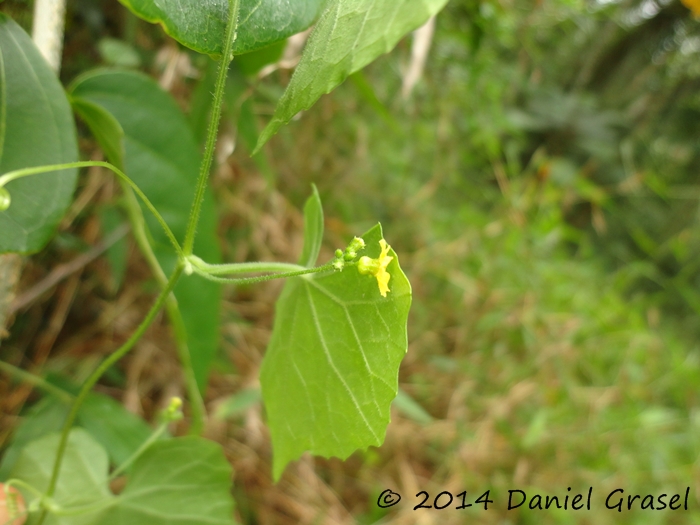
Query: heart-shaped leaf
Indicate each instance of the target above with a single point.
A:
(82, 481)
(331, 370)
(120, 432)
(182, 481)
(36, 129)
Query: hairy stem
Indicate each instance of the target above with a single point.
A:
(213, 128)
(246, 267)
(262, 278)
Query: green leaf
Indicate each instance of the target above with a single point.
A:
(200, 303)
(117, 254)
(82, 481)
(240, 109)
(349, 35)
(313, 229)
(119, 431)
(201, 98)
(238, 403)
(331, 369)
(36, 128)
(411, 409)
(162, 157)
(106, 128)
(250, 64)
(366, 91)
(201, 24)
(118, 53)
(46, 416)
(182, 481)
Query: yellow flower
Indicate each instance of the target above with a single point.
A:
(693, 5)
(377, 267)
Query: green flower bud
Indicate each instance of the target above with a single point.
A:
(355, 245)
(174, 410)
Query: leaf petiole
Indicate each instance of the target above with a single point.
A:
(247, 267)
(262, 278)
(155, 436)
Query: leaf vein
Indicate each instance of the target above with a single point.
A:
(314, 315)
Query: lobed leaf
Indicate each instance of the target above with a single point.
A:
(36, 128)
(181, 481)
(119, 431)
(201, 24)
(161, 155)
(48, 415)
(349, 35)
(82, 481)
(331, 370)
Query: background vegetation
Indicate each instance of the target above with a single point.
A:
(540, 185)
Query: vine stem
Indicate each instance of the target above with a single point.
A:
(213, 129)
(26, 172)
(95, 376)
(138, 225)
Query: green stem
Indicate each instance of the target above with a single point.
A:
(37, 381)
(246, 267)
(263, 278)
(14, 482)
(213, 129)
(17, 174)
(95, 376)
(140, 231)
(151, 439)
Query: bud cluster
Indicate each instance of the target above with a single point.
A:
(350, 253)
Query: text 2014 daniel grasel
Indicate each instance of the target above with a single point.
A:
(615, 500)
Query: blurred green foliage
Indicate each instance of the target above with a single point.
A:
(542, 180)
